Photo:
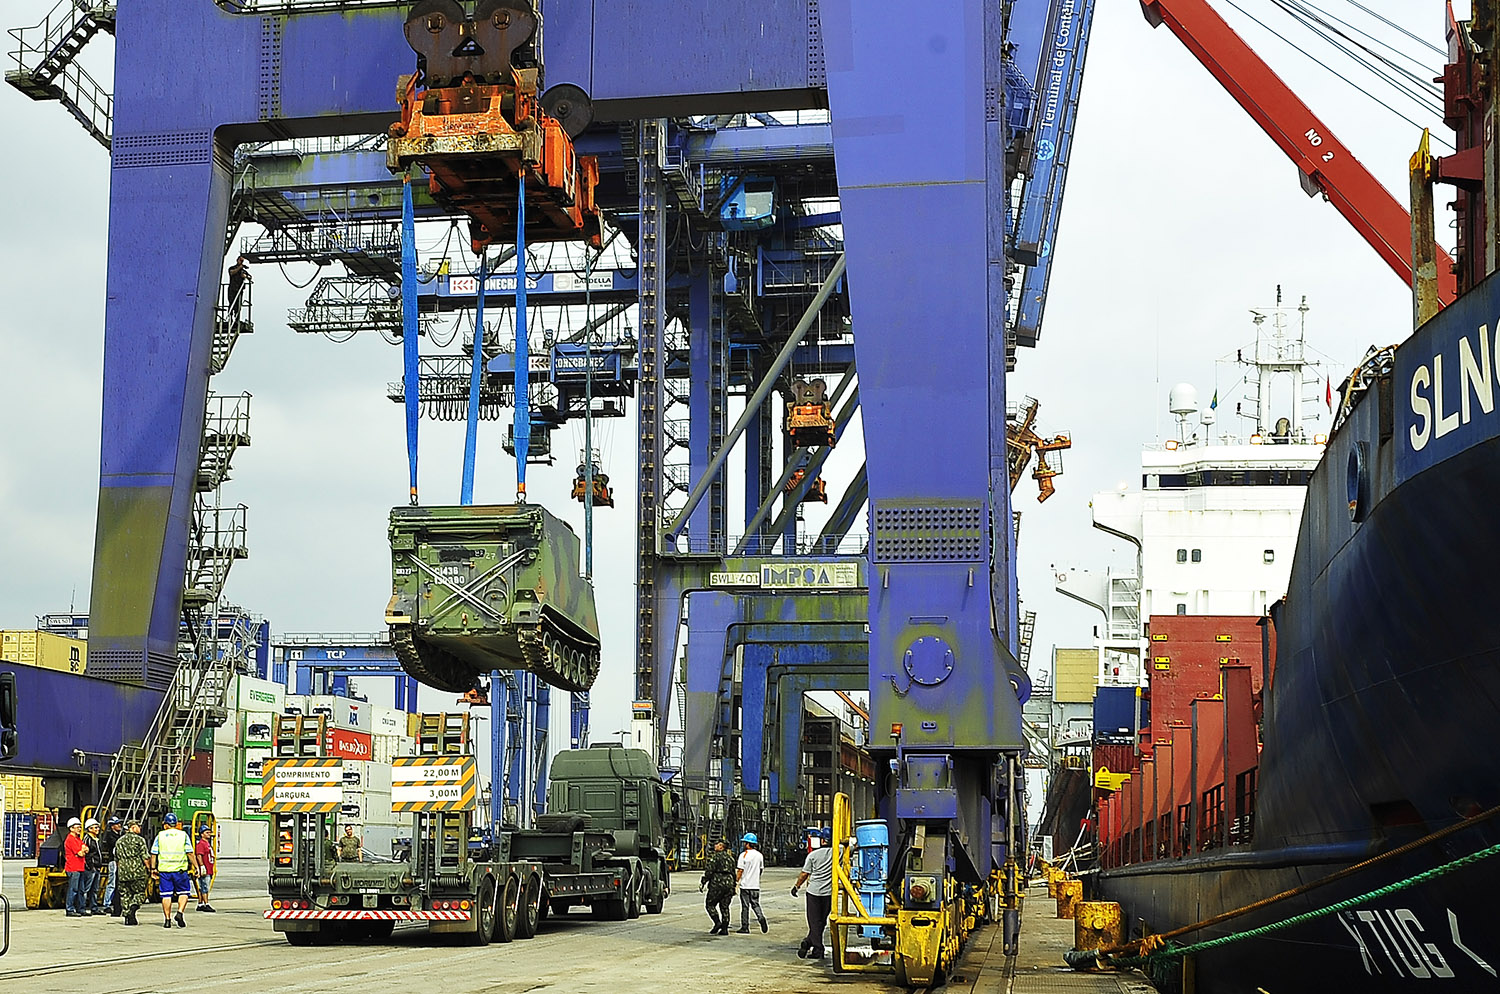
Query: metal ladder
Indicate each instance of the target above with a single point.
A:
(46, 66)
(651, 252)
(1023, 641)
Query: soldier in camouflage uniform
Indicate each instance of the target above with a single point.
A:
(718, 879)
(132, 875)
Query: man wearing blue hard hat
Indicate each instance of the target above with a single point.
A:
(748, 870)
(174, 865)
(817, 874)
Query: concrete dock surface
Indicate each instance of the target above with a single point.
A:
(235, 951)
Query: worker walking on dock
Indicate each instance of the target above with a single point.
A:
(174, 862)
(132, 876)
(205, 875)
(718, 878)
(748, 874)
(817, 874)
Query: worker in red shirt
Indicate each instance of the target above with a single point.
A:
(204, 850)
(75, 862)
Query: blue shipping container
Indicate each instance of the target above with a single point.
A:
(1115, 713)
(20, 835)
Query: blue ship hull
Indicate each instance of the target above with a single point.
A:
(1382, 715)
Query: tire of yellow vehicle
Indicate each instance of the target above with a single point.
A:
(530, 912)
(508, 911)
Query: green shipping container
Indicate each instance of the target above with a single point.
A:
(188, 801)
(205, 741)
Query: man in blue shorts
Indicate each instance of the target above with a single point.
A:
(173, 864)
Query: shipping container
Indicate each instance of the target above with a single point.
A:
(44, 649)
(252, 764)
(188, 801)
(20, 840)
(342, 743)
(251, 694)
(23, 793)
(199, 771)
(1116, 758)
(224, 806)
(1187, 654)
(1116, 714)
(259, 727)
(362, 776)
(241, 838)
(384, 748)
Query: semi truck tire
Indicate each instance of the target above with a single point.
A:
(484, 914)
(530, 912)
(657, 894)
(508, 912)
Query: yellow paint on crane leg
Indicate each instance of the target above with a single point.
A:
(919, 945)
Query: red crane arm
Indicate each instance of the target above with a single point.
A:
(1327, 165)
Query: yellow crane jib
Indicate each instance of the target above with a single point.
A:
(1024, 443)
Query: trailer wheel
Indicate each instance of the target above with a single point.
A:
(300, 938)
(484, 913)
(508, 912)
(531, 909)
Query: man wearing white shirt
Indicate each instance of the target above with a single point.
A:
(747, 873)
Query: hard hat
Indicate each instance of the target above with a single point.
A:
(91, 823)
(751, 838)
(73, 821)
(206, 830)
(116, 820)
(169, 819)
(825, 833)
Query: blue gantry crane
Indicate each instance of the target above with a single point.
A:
(921, 611)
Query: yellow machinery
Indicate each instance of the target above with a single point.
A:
(1023, 442)
(920, 946)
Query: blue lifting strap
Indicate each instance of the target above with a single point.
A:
(471, 433)
(523, 357)
(410, 363)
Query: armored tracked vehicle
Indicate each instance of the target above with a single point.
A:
(490, 587)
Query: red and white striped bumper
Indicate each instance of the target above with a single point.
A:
(364, 915)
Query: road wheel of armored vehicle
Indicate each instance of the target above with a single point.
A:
(509, 911)
(531, 909)
(484, 914)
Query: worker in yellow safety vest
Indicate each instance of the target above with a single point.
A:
(174, 865)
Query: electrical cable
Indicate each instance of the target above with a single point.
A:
(294, 284)
(1392, 24)
(1419, 90)
(1278, 35)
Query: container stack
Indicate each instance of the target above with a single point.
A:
(44, 649)
(26, 815)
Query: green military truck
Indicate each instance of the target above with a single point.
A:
(606, 807)
(602, 845)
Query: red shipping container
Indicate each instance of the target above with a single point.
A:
(1115, 757)
(344, 744)
(199, 771)
(1187, 652)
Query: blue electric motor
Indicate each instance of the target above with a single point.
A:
(871, 866)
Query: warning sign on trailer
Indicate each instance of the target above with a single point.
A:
(433, 783)
(304, 786)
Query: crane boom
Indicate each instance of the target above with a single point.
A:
(1326, 164)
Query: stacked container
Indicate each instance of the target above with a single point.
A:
(44, 649)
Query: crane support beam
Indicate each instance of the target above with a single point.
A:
(1326, 164)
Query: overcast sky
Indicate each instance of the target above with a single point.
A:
(1180, 216)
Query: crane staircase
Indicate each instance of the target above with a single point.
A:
(144, 777)
(46, 63)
